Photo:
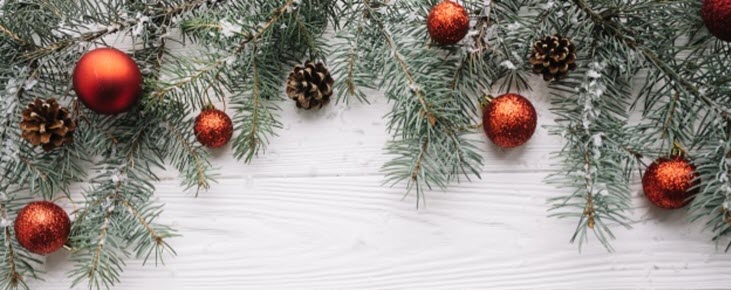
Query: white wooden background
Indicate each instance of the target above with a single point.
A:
(312, 214)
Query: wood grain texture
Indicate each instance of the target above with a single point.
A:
(312, 214)
(348, 232)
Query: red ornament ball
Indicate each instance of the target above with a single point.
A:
(107, 81)
(717, 17)
(509, 120)
(42, 227)
(669, 182)
(448, 22)
(213, 128)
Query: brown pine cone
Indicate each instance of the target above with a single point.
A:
(310, 85)
(553, 57)
(48, 124)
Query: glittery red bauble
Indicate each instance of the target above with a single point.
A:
(509, 120)
(107, 81)
(667, 182)
(448, 22)
(717, 17)
(42, 227)
(213, 128)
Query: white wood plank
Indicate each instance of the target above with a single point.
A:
(350, 233)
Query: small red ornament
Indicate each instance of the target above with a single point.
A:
(107, 81)
(717, 17)
(213, 128)
(448, 22)
(670, 182)
(42, 227)
(509, 120)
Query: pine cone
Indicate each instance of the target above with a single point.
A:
(553, 57)
(310, 86)
(48, 124)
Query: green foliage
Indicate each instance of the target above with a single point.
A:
(240, 54)
(683, 73)
(434, 90)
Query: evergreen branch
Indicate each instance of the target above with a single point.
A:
(595, 154)
(402, 64)
(712, 203)
(124, 182)
(118, 27)
(191, 80)
(278, 14)
(12, 35)
(13, 277)
(200, 167)
(424, 86)
(253, 141)
(254, 117)
(215, 68)
(352, 88)
(159, 243)
(349, 71)
(621, 32)
(94, 268)
(419, 160)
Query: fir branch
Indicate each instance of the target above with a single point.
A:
(111, 213)
(197, 163)
(12, 35)
(159, 245)
(17, 264)
(253, 141)
(592, 164)
(93, 272)
(402, 64)
(255, 114)
(55, 47)
(621, 32)
(352, 75)
(211, 72)
(713, 201)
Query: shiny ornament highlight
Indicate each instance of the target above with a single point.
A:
(213, 128)
(669, 182)
(42, 227)
(509, 120)
(448, 22)
(717, 17)
(107, 81)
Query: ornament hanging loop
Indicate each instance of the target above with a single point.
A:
(678, 150)
(208, 106)
(486, 99)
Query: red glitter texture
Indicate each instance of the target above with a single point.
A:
(107, 81)
(448, 22)
(717, 17)
(667, 182)
(509, 120)
(42, 227)
(213, 128)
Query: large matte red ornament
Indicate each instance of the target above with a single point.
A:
(717, 17)
(42, 227)
(107, 81)
(509, 120)
(448, 22)
(213, 128)
(670, 182)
